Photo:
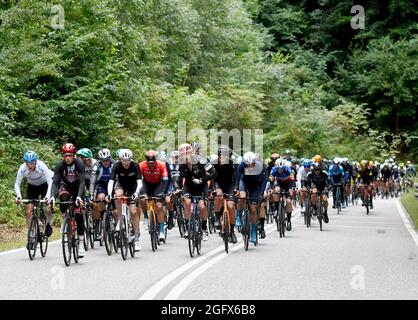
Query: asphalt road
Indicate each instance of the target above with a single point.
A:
(355, 257)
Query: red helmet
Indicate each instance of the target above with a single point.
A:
(185, 148)
(151, 155)
(68, 148)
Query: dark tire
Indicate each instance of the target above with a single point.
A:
(32, 237)
(131, 243)
(43, 243)
(320, 214)
(152, 230)
(92, 228)
(246, 228)
(67, 242)
(107, 234)
(76, 242)
(123, 238)
(226, 230)
(191, 235)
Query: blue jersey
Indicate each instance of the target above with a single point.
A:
(336, 175)
(252, 177)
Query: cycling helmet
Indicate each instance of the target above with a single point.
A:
(125, 154)
(151, 155)
(185, 148)
(316, 166)
(363, 163)
(104, 154)
(174, 154)
(288, 152)
(30, 156)
(274, 156)
(195, 146)
(68, 148)
(224, 150)
(162, 156)
(408, 163)
(249, 158)
(307, 163)
(345, 160)
(85, 153)
(371, 163)
(317, 158)
(336, 160)
(279, 163)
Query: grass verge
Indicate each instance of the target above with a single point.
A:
(14, 238)
(410, 202)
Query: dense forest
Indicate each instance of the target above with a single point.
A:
(316, 76)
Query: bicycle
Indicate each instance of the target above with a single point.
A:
(211, 214)
(194, 229)
(36, 230)
(126, 229)
(88, 225)
(153, 223)
(338, 197)
(225, 222)
(308, 209)
(69, 237)
(109, 235)
(179, 216)
(246, 222)
(279, 213)
(365, 193)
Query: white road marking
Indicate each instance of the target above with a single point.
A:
(406, 222)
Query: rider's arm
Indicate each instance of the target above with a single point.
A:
(82, 177)
(210, 169)
(93, 179)
(18, 182)
(57, 178)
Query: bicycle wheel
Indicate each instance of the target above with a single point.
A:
(366, 202)
(123, 238)
(67, 241)
(107, 234)
(100, 222)
(320, 213)
(225, 230)
(32, 237)
(152, 230)
(76, 243)
(190, 238)
(86, 231)
(131, 234)
(246, 229)
(43, 243)
(198, 236)
(92, 229)
(338, 200)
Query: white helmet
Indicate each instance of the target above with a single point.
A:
(162, 156)
(125, 154)
(249, 157)
(174, 154)
(104, 154)
(279, 162)
(337, 160)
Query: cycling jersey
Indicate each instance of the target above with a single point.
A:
(127, 179)
(153, 176)
(226, 177)
(70, 177)
(386, 173)
(200, 168)
(366, 175)
(301, 176)
(319, 181)
(336, 174)
(283, 179)
(254, 179)
(38, 177)
(100, 177)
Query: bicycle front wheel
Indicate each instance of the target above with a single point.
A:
(153, 230)
(123, 238)
(43, 241)
(191, 235)
(32, 237)
(226, 230)
(66, 241)
(246, 228)
(107, 234)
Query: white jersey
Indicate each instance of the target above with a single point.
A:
(301, 176)
(39, 176)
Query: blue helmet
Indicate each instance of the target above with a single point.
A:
(30, 156)
(307, 163)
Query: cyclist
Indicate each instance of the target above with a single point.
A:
(283, 179)
(317, 181)
(195, 171)
(126, 180)
(386, 175)
(336, 176)
(224, 183)
(100, 176)
(173, 174)
(86, 156)
(348, 172)
(69, 182)
(301, 180)
(366, 176)
(287, 155)
(39, 179)
(154, 184)
(251, 177)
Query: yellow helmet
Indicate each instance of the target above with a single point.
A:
(371, 163)
(363, 163)
(317, 158)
